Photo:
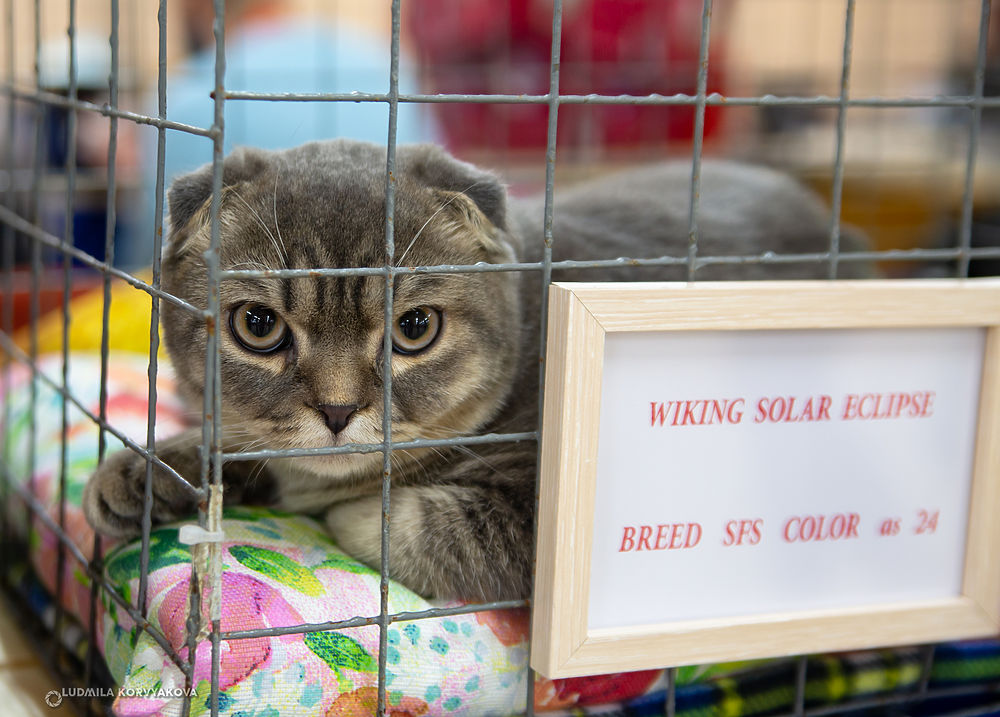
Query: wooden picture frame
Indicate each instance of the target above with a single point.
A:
(581, 315)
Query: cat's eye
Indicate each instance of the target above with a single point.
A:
(416, 330)
(259, 328)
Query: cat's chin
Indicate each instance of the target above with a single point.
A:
(340, 466)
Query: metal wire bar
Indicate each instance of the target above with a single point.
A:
(67, 288)
(52, 99)
(712, 99)
(975, 124)
(363, 621)
(763, 258)
(379, 447)
(213, 397)
(154, 318)
(390, 252)
(882, 255)
(801, 673)
(837, 190)
(927, 669)
(42, 237)
(699, 136)
(209, 420)
(670, 708)
(110, 219)
(546, 267)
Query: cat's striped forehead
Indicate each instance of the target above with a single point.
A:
(308, 224)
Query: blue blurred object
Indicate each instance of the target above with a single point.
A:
(278, 55)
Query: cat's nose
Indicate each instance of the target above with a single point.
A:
(337, 417)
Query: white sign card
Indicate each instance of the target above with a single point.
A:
(745, 470)
(762, 454)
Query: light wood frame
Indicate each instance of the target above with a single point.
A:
(580, 315)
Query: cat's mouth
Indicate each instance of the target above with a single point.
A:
(364, 430)
(345, 468)
(361, 431)
(369, 458)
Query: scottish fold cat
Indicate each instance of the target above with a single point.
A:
(302, 358)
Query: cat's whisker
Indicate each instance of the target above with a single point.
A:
(257, 471)
(251, 265)
(431, 217)
(247, 446)
(232, 433)
(439, 453)
(415, 459)
(274, 242)
(274, 206)
(465, 450)
(443, 429)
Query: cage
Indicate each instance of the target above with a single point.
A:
(887, 108)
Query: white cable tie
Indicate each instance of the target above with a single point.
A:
(195, 535)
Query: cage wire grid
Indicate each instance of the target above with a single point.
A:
(207, 572)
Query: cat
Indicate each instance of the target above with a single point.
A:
(302, 362)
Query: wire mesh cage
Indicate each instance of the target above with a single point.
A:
(900, 134)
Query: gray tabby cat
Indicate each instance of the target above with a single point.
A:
(301, 359)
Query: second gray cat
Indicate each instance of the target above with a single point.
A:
(301, 358)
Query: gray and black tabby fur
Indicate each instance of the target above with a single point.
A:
(462, 518)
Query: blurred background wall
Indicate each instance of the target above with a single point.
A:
(904, 167)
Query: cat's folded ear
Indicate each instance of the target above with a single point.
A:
(435, 168)
(189, 194)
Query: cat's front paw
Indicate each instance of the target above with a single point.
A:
(113, 497)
